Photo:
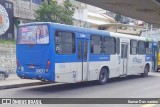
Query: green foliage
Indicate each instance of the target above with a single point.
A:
(16, 22)
(8, 42)
(118, 17)
(53, 12)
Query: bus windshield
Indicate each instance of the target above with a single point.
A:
(35, 34)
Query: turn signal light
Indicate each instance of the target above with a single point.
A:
(48, 64)
(17, 62)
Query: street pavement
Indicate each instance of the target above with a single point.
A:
(129, 87)
(13, 81)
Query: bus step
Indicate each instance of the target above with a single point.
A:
(123, 75)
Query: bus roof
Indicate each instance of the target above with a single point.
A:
(64, 27)
(71, 28)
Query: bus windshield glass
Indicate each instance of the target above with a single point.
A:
(35, 34)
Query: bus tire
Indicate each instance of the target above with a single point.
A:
(2, 76)
(103, 76)
(157, 69)
(146, 70)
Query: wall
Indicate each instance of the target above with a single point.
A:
(8, 57)
(24, 9)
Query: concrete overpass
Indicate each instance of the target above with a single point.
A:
(145, 10)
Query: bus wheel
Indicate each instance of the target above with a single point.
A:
(2, 76)
(157, 69)
(103, 76)
(146, 70)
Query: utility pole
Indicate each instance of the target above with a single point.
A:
(151, 30)
(146, 30)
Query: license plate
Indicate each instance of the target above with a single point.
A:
(40, 71)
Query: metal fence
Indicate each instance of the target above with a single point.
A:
(8, 57)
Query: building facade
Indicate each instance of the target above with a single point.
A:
(84, 16)
(24, 11)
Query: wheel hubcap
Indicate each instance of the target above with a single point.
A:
(103, 77)
(146, 70)
(2, 77)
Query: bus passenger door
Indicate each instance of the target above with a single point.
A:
(155, 56)
(83, 59)
(124, 59)
(154, 60)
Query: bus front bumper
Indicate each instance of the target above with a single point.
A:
(38, 76)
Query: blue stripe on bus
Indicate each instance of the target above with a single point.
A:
(74, 58)
(148, 58)
(99, 58)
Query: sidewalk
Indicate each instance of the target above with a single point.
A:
(13, 81)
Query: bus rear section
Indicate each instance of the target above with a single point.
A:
(33, 53)
(61, 53)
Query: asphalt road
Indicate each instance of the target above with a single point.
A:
(129, 87)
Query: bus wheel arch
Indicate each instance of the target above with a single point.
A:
(103, 76)
(158, 68)
(148, 65)
(146, 70)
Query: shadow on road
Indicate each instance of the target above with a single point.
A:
(130, 77)
(73, 86)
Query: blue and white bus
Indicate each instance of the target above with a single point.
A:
(68, 54)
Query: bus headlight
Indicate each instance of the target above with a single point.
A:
(48, 64)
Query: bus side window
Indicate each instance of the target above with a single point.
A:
(118, 45)
(133, 45)
(79, 49)
(96, 44)
(109, 45)
(58, 42)
(148, 48)
(64, 42)
(141, 48)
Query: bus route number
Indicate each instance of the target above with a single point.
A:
(40, 71)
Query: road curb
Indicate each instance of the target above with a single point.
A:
(23, 85)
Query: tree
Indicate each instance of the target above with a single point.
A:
(118, 17)
(53, 12)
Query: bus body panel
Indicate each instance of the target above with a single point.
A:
(135, 63)
(159, 60)
(32, 60)
(81, 65)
